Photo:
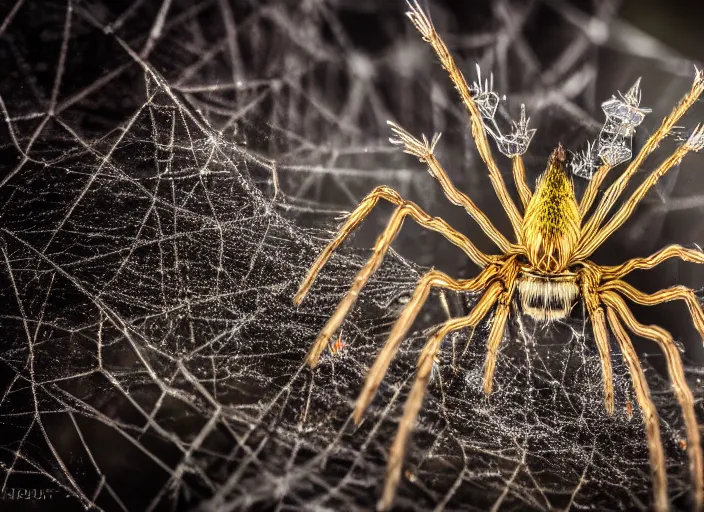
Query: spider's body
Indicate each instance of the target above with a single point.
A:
(550, 229)
(547, 265)
(550, 232)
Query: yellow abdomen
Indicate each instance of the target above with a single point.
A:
(551, 221)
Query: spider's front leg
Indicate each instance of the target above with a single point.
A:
(422, 22)
(519, 178)
(592, 239)
(616, 306)
(593, 189)
(404, 209)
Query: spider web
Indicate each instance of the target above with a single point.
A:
(169, 172)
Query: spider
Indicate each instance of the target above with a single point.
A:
(547, 266)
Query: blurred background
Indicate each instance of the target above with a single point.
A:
(677, 23)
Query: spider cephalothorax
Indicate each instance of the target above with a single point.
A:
(549, 234)
(547, 264)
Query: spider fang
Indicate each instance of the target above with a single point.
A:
(547, 298)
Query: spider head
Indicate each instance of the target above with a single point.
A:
(551, 223)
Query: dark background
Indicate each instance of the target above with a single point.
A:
(677, 23)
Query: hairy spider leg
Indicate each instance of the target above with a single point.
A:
(405, 208)
(679, 384)
(496, 334)
(420, 384)
(589, 279)
(601, 337)
(650, 415)
(588, 246)
(593, 189)
(519, 178)
(659, 297)
(498, 326)
(424, 151)
(671, 251)
(422, 22)
(433, 278)
(617, 187)
(360, 213)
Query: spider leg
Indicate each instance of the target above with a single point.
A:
(589, 279)
(424, 152)
(682, 391)
(589, 243)
(616, 189)
(405, 208)
(650, 415)
(601, 337)
(420, 384)
(497, 329)
(432, 279)
(666, 295)
(422, 22)
(593, 189)
(519, 178)
(671, 251)
(409, 208)
(495, 336)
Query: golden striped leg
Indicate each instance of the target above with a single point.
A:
(434, 278)
(496, 334)
(519, 178)
(424, 151)
(420, 384)
(405, 208)
(593, 189)
(666, 295)
(425, 27)
(671, 251)
(589, 244)
(679, 384)
(589, 280)
(616, 189)
(650, 415)
(499, 325)
(601, 337)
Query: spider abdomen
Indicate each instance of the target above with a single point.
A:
(547, 298)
